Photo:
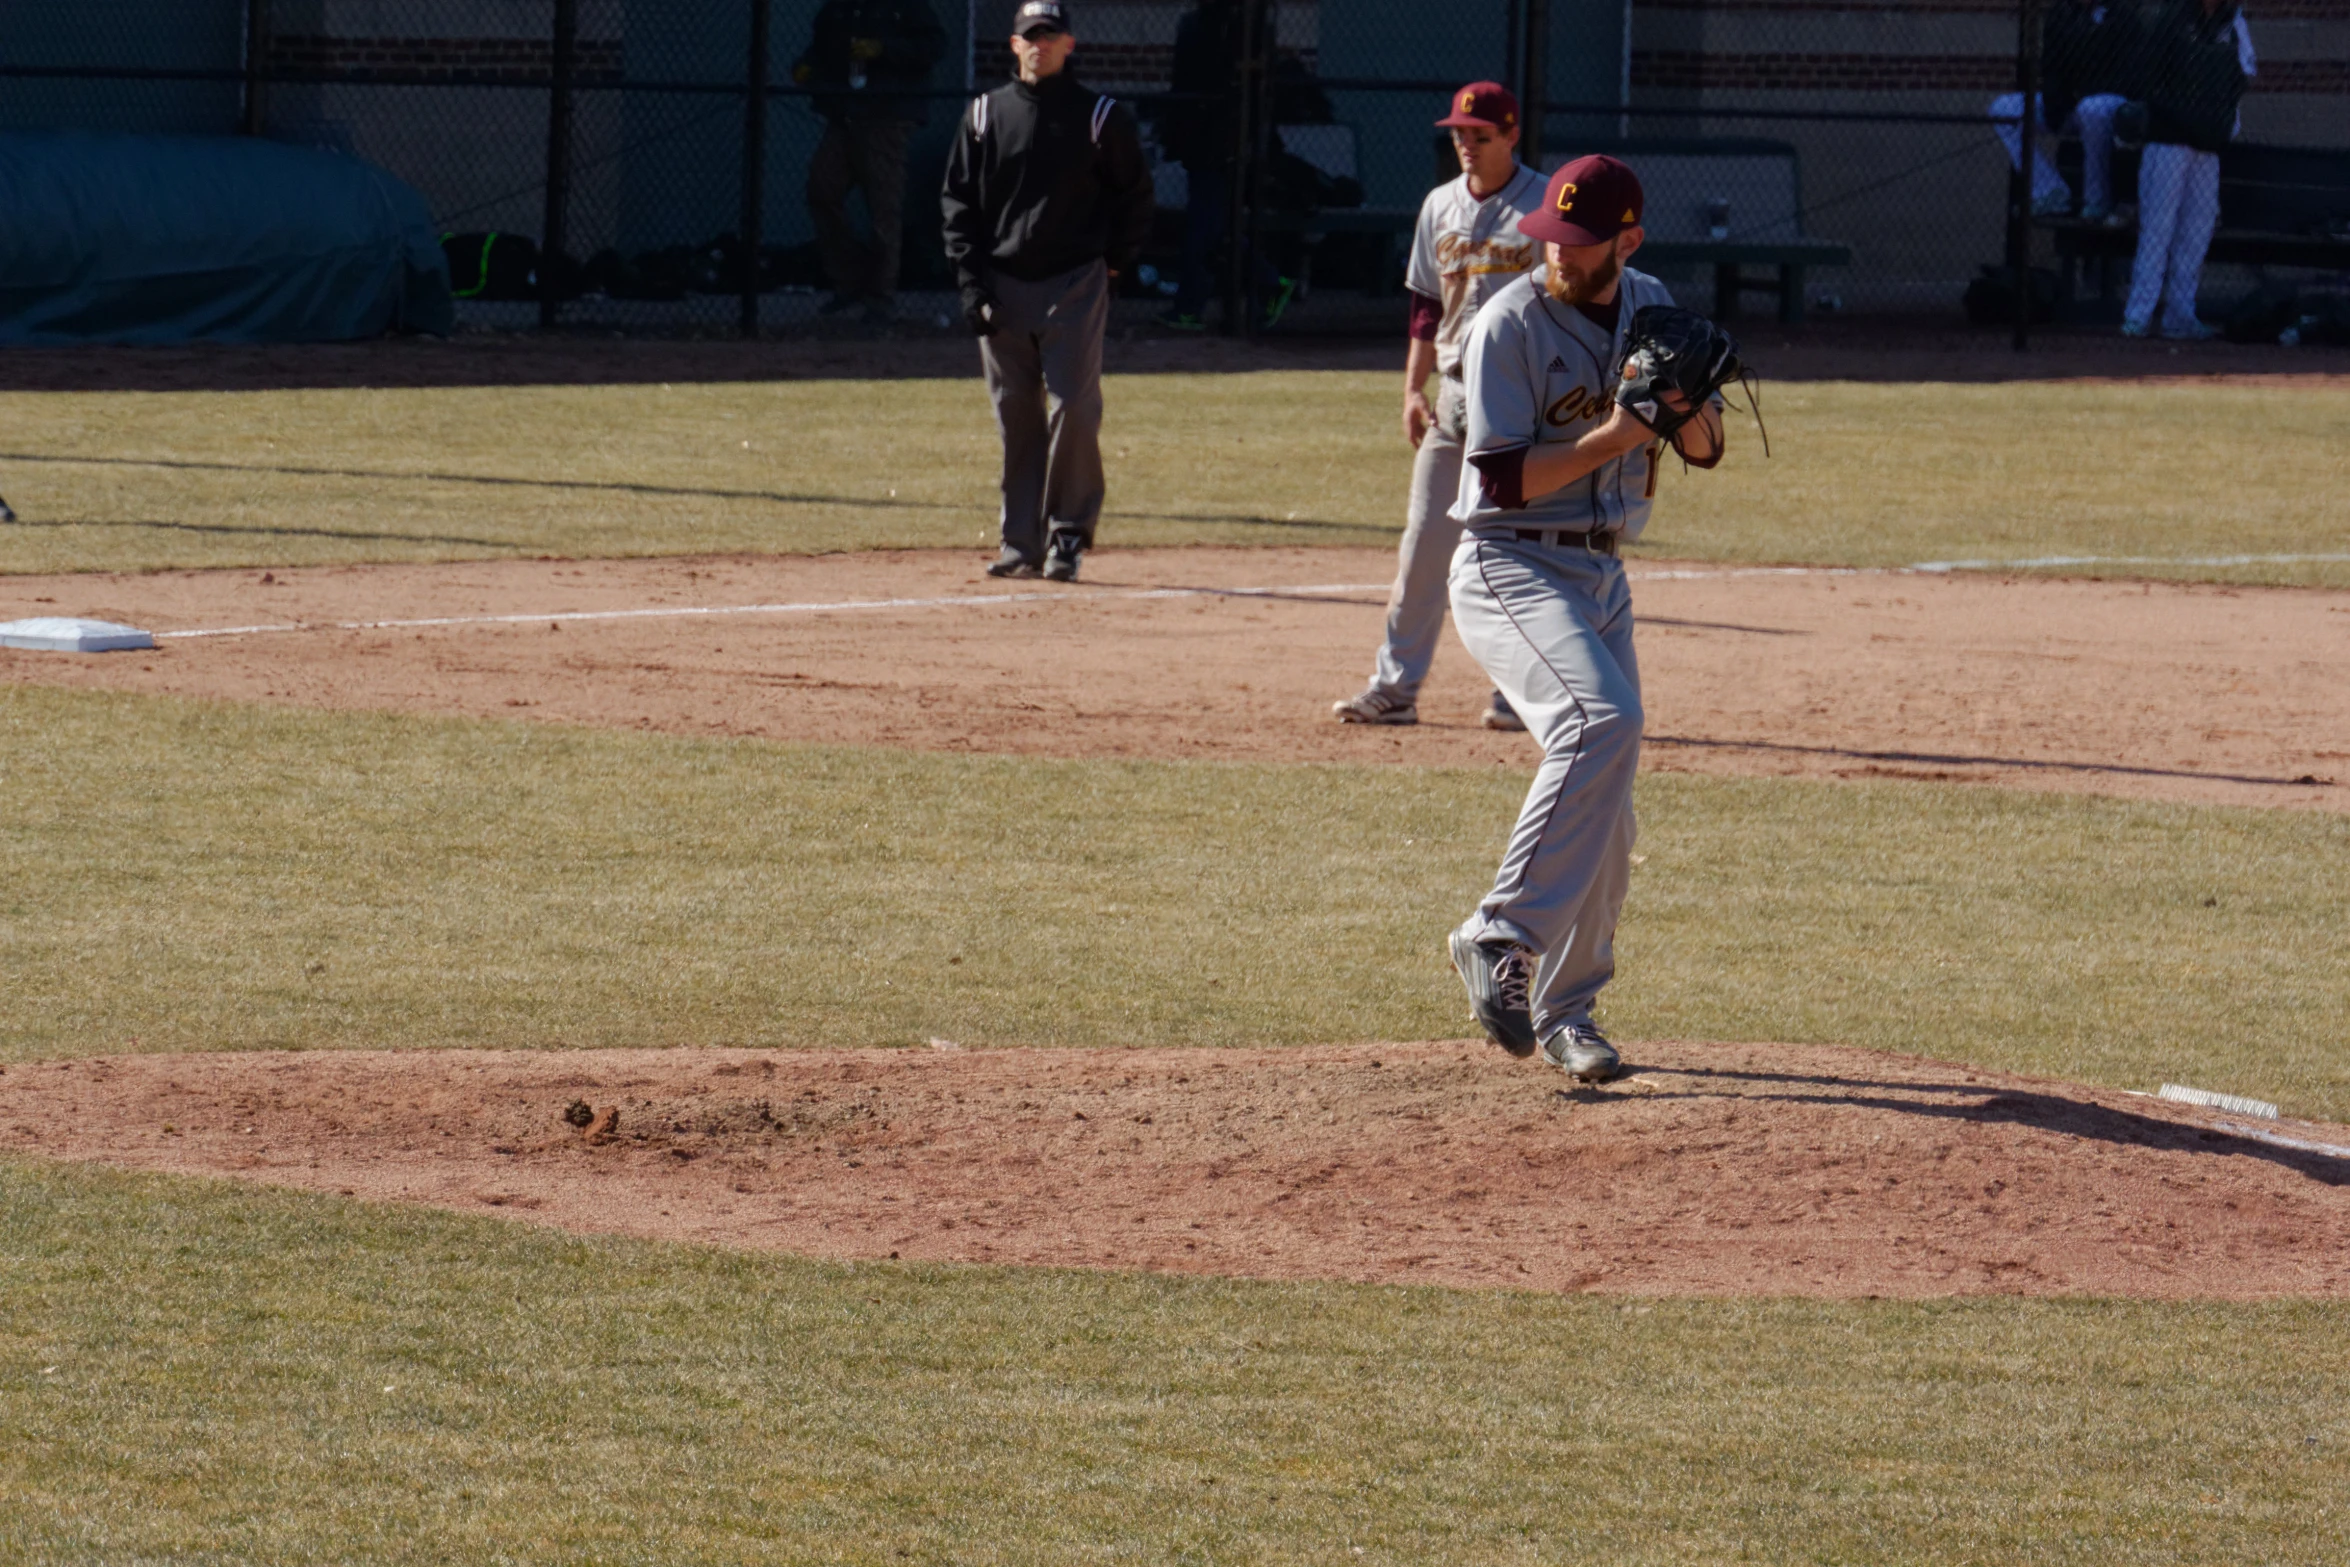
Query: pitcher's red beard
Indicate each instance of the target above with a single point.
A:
(1572, 288)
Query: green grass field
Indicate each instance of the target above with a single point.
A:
(196, 1373)
(256, 877)
(1864, 474)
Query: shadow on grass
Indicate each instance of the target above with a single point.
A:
(270, 531)
(1983, 1105)
(1957, 759)
(625, 487)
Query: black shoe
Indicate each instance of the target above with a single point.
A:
(6, 515)
(1011, 563)
(1060, 557)
(1499, 977)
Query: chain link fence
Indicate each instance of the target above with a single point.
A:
(644, 164)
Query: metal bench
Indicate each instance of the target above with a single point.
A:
(2278, 206)
(1729, 203)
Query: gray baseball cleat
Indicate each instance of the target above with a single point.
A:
(1498, 974)
(1377, 706)
(1011, 563)
(1583, 1051)
(1060, 556)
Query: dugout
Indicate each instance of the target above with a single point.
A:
(166, 239)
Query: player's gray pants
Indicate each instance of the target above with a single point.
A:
(1415, 606)
(1552, 627)
(1044, 372)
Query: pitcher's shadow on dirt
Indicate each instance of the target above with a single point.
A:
(2044, 1112)
(1959, 759)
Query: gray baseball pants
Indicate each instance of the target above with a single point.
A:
(1044, 374)
(1415, 605)
(1552, 626)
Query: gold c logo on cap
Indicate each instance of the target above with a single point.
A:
(1468, 100)
(1567, 197)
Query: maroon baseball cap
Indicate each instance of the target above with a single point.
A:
(1487, 104)
(1590, 201)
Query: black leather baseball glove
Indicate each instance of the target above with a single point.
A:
(1674, 350)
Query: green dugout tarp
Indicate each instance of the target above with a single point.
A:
(168, 239)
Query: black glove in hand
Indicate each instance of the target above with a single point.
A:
(981, 313)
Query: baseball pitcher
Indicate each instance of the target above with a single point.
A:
(1467, 246)
(1567, 419)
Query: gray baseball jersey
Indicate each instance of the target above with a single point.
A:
(1464, 251)
(1539, 373)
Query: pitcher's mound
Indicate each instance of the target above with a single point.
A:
(1714, 1169)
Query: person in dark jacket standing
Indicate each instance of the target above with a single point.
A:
(2198, 56)
(1047, 197)
(867, 66)
(1197, 132)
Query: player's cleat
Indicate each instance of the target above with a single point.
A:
(2136, 329)
(1583, 1051)
(2097, 214)
(2194, 332)
(1284, 291)
(7, 513)
(1377, 706)
(1011, 563)
(2052, 205)
(1183, 321)
(1498, 976)
(1500, 715)
(1060, 556)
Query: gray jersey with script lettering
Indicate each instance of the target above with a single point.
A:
(1538, 373)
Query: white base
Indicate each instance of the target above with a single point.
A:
(64, 634)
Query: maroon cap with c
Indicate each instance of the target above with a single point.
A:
(1590, 201)
(1487, 104)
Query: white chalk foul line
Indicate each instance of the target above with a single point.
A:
(812, 607)
(1311, 590)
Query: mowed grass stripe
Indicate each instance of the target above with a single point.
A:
(183, 876)
(1862, 474)
(204, 1374)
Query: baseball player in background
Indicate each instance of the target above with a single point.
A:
(1466, 247)
(1558, 477)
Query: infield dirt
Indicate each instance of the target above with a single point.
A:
(1710, 1169)
(2231, 695)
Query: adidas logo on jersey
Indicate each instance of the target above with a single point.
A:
(1558, 364)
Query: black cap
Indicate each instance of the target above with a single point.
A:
(1040, 16)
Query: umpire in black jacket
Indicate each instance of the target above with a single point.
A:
(1047, 197)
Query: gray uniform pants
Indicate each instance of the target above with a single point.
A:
(1552, 626)
(1415, 605)
(871, 155)
(1044, 373)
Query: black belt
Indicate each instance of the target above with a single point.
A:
(1600, 541)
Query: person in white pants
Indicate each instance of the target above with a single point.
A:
(2092, 120)
(2085, 50)
(2199, 59)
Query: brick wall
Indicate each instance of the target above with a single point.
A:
(452, 60)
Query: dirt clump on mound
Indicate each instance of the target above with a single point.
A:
(1709, 1169)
